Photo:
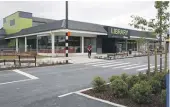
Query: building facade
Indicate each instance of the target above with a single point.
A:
(47, 36)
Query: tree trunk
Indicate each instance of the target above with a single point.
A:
(166, 62)
(156, 67)
(148, 72)
(160, 44)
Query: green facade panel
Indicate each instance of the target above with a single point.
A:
(18, 24)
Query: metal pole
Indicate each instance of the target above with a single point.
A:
(66, 41)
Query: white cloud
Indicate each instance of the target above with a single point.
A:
(114, 13)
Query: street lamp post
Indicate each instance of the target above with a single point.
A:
(66, 39)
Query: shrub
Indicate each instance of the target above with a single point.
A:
(119, 87)
(163, 96)
(143, 76)
(161, 77)
(132, 80)
(156, 86)
(99, 84)
(124, 76)
(141, 93)
(112, 78)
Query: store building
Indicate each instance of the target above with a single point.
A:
(47, 36)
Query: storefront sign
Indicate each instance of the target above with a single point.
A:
(117, 31)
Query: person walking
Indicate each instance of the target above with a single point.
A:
(89, 49)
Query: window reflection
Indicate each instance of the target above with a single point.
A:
(73, 44)
(88, 41)
(44, 44)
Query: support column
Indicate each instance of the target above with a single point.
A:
(53, 45)
(25, 44)
(126, 44)
(16, 44)
(137, 46)
(37, 44)
(82, 44)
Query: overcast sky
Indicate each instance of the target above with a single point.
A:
(102, 12)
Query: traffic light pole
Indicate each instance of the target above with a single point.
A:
(66, 39)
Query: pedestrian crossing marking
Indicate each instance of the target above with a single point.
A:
(106, 63)
(134, 67)
(96, 62)
(146, 68)
(114, 65)
(125, 66)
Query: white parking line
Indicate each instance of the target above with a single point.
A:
(15, 81)
(25, 74)
(65, 94)
(97, 99)
(82, 90)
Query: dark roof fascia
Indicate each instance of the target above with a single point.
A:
(79, 28)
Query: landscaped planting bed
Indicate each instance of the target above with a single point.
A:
(131, 91)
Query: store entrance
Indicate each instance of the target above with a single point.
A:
(108, 45)
(113, 45)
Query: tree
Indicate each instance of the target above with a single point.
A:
(158, 26)
(140, 41)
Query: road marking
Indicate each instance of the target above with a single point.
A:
(25, 74)
(97, 99)
(65, 94)
(97, 62)
(134, 67)
(124, 66)
(84, 89)
(146, 68)
(15, 81)
(114, 65)
(106, 63)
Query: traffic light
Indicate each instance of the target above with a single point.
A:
(68, 33)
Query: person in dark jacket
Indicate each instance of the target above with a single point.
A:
(89, 49)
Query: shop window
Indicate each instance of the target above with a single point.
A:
(88, 41)
(73, 44)
(132, 44)
(44, 44)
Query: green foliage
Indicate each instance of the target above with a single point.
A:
(156, 86)
(163, 96)
(99, 84)
(119, 87)
(141, 93)
(159, 25)
(113, 77)
(124, 76)
(143, 76)
(132, 80)
(161, 77)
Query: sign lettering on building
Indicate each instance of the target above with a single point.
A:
(117, 31)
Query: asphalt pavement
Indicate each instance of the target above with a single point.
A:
(41, 86)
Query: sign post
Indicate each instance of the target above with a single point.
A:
(66, 40)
